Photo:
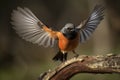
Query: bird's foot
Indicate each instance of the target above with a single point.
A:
(76, 55)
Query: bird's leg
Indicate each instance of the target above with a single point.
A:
(64, 57)
(76, 55)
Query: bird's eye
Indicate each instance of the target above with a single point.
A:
(69, 28)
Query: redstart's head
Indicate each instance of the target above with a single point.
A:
(69, 31)
(68, 28)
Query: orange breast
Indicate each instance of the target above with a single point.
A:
(67, 45)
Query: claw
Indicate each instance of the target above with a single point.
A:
(76, 55)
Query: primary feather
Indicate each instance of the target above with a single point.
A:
(88, 26)
(26, 25)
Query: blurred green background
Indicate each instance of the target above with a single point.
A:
(21, 60)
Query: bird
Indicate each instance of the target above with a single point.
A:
(32, 29)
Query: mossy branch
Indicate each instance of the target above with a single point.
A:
(84, 64)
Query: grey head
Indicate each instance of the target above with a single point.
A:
(69, 31)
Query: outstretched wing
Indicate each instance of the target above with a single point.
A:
(30, 28)
(88, 26)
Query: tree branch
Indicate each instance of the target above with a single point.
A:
(84, 64)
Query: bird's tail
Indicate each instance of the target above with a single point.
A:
(60, 57)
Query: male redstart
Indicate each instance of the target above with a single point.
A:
(30, 28)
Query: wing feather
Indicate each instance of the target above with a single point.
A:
(31, 13)
(48, 42)
(30, 28)
(89, 25)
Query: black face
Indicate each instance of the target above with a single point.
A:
(70, 33)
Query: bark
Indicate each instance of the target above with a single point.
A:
(84, 64)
